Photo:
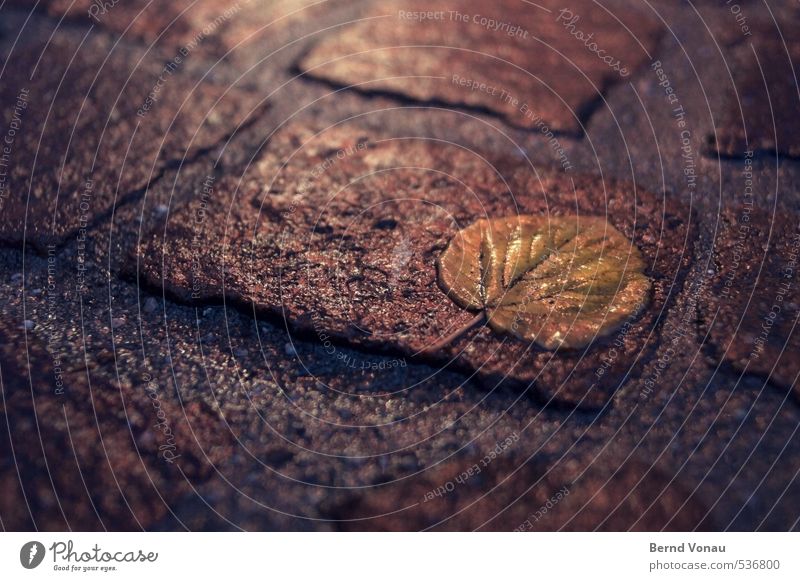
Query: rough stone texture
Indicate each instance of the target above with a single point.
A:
(89, 137)
(752, 305)
(175, 23)
(343, 241)
(761, 114)
(206, 26)
(267, 428)
(536, 56)
(279, 431)
(88, 453)
(478, 493)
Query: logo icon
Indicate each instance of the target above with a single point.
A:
(31, 554)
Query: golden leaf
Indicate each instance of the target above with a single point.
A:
(557, 281)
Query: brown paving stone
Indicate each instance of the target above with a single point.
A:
(532, 56)
(80, 450)
(761, 113)
(90, 459)
(39, 454)
(639, 496)
(287, 411)
(203, 26)
(472, 493)
(82, 145)
(174, 24)
(274, 24)
(734, 436)
(347, 235)
(753, 300)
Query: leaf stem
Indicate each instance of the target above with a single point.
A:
(478, 320)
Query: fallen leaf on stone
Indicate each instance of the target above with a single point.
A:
(557, 281)
(359, 266)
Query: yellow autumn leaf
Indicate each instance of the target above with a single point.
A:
(557, 281)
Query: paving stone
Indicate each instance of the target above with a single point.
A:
(342, 242)
(477, 493)
(760, 114)
(260, 436)
(334, 426)
(752, 303)
(38, 453)
(202, 27)
(89, 452)
(545, 64)
(92, 132)
(174, 25)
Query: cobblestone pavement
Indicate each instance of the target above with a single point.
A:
(219, 227)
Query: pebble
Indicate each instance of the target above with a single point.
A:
(150, 305)
(289, 349)
(117, 322)
(28, 325)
